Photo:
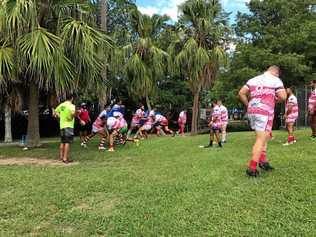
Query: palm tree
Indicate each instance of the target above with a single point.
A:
(199, 48)
(55, 49)
(144, 61)
(6, 79)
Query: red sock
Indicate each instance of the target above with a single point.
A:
(253, 165)
(263, 157)
(290, 139)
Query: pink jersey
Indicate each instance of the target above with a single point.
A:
(224, 113)
(100, 122)
(263, 90)
(216, 117)
(149, 121)
(182, 117)
(312, 102)
(139, 114)
(292, 102)
(162, 120)
(122, 123)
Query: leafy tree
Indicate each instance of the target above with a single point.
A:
(143, 60)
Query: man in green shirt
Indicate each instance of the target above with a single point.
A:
(66, 111)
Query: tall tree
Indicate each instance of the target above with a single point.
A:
(200, 47)
(144, 61)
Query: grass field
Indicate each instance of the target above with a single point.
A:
(164, 187)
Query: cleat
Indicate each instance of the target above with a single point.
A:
(102, 148)
(83, 145)
(111, 149)
(252, 173)
(266, 166)
(220, 145)
(208, 146)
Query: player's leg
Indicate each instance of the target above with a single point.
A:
(89, 137)
(111, 140)
(61, 151)
(257, 149)
(224, 127)
(102, 135)
(218, 139)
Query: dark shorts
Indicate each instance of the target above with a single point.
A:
(67, 135)
(214, 130)
(84, 128)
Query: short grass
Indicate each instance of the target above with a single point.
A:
(164, 187)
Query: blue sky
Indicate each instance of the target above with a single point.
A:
(169, 7)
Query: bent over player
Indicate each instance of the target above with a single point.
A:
(262, 90)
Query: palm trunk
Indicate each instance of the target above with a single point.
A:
(103, 26)
(33, 134)
(148, 103)
(7, 119)
(195, 113)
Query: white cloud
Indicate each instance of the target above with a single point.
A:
(170, 7)
(149, 10)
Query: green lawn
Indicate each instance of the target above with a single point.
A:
(164, 187)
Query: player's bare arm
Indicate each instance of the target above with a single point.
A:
(243, 95)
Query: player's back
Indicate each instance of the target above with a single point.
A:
(262, 93)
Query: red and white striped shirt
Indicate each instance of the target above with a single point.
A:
(312, 102)
(292, 102)
(182, 117)
(263, 90)
(224, 113)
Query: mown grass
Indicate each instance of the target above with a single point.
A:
(164, 187)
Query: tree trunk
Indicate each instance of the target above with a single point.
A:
(195, 113)
(7, 119)
(148, 103)
(33, 134)
(103, 27)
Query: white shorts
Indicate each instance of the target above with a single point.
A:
(291, 120)
(147, 127)
(97, 130)
(260, 123)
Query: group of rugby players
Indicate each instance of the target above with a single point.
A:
(112, 127)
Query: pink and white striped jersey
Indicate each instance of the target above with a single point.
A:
(312, 102)
(263, 91)
(216, 117)
(149, 121)
(224, 113)
(182, 117)
(139, 114)
(162, 120)
(292, 102)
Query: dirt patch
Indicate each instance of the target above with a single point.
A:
(33, 161)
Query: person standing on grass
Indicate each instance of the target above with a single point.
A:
(66, 111)
(263, 92)
(291, 115)
(215, 125)
(224, 119)
(312, 109)
(84, 120)
(182, 120)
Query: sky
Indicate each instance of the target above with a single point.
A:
(169, 7)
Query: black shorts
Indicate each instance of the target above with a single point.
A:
(67, 135)
(84, 128)
(214, 130)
